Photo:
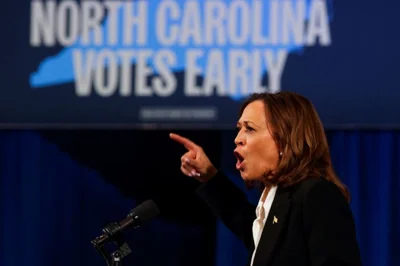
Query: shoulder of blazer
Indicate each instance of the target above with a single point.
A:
(302, 189)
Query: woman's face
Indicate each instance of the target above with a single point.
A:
(256, 150)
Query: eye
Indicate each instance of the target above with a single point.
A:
(249, 129)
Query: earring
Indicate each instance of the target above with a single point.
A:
(280, 154)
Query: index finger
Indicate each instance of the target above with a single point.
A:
(190, 145)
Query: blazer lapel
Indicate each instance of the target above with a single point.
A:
(273, 228)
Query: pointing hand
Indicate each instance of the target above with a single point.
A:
(194, 162)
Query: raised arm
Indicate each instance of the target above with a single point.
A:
(226, 201)
(230, 205)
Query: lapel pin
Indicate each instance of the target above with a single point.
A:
(275, 220)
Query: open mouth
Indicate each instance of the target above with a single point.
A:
(239, 161)
(239, 157)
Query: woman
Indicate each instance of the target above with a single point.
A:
(303, 216)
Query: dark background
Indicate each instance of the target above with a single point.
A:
(60, 188)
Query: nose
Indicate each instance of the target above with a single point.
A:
(239, 140)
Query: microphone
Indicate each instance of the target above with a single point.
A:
(136, 217)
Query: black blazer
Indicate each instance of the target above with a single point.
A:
(314, 226)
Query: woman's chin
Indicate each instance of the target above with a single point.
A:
(243, 174)
(247, 176)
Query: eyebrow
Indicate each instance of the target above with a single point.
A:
(247, 122)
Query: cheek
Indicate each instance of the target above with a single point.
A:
(267, 156)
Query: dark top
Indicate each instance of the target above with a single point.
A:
(315, 224)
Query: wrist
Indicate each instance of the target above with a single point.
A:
(212, 172)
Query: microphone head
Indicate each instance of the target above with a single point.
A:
(145, 211)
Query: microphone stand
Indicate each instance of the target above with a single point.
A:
(115, 259)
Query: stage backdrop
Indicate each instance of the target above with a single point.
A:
(52, 205)
(190, 63)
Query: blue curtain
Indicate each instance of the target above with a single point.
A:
(52, 207)
(369, 164)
